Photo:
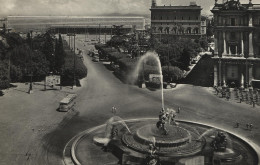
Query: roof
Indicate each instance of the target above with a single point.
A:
(74, 17)
(68, 98)
(191, 7)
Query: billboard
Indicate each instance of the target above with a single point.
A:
(52, 80)
(155, 78)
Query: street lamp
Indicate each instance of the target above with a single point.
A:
(30, 86)
(74, 74)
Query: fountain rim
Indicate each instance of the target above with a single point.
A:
(78, 137)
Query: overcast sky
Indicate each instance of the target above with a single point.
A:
(91, 7)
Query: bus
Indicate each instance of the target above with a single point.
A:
(67, 103)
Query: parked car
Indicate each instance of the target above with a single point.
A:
(95, 59)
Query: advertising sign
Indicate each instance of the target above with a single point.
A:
(52, 80)
(155, 78)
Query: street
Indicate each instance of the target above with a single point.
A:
(33, 132)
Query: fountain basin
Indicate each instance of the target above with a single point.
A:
(86, 152)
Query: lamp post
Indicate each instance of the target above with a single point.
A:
(99, 33)
(30, 85)
(85, 34)
(105, 34)
(74, 73)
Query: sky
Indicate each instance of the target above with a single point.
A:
(92, 7)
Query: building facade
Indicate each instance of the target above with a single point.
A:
(176, 20)
(203, 25)
(237, 44)
(80, 23)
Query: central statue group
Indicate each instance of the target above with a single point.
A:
(166, 116)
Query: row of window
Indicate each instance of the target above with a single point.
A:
(175, 18)
(176, 30)
(179, 24)
(243, 21)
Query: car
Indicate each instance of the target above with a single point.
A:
(95, 59)
(173, 85)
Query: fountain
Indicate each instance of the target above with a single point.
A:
(164, 141)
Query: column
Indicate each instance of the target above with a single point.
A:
(242, 80)
(246, 78)
(250, 74)
(242, 44)
(216, 44)
(251, 48)
(225, 44)
(230, 51)
(250, 20)
(215, 75)
(224, 75)
(236, 50)
(219, 73)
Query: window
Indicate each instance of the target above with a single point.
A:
(161, 17)
(233, 22)
(189, 18)
(175, 17)
(182, 18)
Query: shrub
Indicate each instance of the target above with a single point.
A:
(172, 73)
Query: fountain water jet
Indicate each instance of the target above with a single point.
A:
(155, 57)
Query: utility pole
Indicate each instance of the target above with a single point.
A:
(105, 34)
(96, 33)
(99, 33)
(111, 33)
(74, 74)
(30, 86)
(85, 34)
(168, 61)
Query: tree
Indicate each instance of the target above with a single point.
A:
(59, 55)
(48, 50)
(172, 73)
(186, 58)
(4, 28)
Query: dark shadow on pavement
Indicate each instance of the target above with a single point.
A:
(108, 66)
(122, 79)
(71, 125)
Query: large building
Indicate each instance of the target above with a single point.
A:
(66, 23)
(203, 25)
(176, 20)
(237, 44)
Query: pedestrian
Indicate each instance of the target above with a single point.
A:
(247, 125)
(114, 110)
(227, 97)
(251, 126)
(179, 109)
(237, 124)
